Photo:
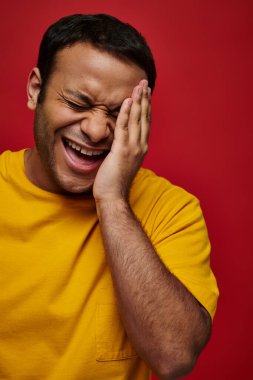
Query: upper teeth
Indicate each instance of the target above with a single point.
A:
(84, 151)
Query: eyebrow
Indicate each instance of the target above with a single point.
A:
(86, 99)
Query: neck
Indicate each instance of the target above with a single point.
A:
(37, 173)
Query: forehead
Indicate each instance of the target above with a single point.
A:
(105, 78)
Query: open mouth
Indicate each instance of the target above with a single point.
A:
(82, 159)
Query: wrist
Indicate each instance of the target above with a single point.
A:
(112, 206)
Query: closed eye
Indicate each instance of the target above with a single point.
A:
(82, 108)
(77, 107)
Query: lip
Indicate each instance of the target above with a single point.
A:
(81, 166)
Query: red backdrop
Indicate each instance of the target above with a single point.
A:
(201, 136)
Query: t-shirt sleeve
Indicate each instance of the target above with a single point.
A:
(179, 236)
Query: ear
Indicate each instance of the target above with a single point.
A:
(33, 88)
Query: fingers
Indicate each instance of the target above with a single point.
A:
(133, 122)
(139, 118)
(145, 115)
(135, 117)
(121, 129)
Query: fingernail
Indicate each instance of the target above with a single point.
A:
(144, 82)
(129, 102)
(139, 91)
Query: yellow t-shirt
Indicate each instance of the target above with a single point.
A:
(59, 319)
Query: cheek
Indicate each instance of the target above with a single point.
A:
(60, 116)
(43, 129)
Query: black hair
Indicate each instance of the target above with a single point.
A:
(102, 31)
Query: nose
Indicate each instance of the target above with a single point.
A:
(96, 126)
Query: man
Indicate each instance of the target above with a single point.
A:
(105, 266)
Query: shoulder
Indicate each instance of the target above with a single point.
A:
(9, 161)
(149, 188)
(158, 204)
(4, 159)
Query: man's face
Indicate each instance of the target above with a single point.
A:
(74, 124)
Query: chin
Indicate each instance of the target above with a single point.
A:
(76, 189)
(75, 186)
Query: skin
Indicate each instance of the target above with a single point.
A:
(165, 323)
(80, 70)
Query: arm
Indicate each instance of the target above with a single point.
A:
(165, 323)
